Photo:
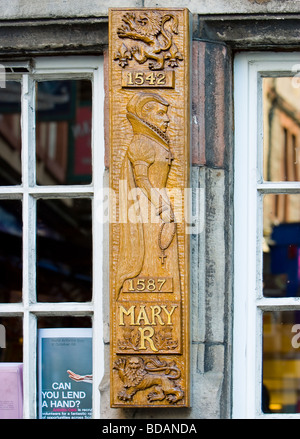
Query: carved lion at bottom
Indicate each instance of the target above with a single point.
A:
(139, 375)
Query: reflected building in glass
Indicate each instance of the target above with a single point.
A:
(63, 132)
(281, 244)
(10, 133)
(281, 221)
(63, 157)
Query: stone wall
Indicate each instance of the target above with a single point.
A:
(24, 9)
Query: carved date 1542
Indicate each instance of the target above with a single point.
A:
(138, 79)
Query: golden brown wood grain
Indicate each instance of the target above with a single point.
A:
(149, 64)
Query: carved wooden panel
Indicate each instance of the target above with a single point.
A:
(149, 175)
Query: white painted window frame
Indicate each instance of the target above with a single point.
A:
(50, 68)
(249, 303)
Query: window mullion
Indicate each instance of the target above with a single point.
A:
(29, 246)
(98, 236)
(29, 364)
(289, 187)
(28, 132)
(29, 297)
(62, 309)
(10, 192)
(279, 304)
(82, 191)
(29, 250)
(11, 309)
(241, 207)
(259, 294)
(28, 180)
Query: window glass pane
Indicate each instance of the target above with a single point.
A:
(65, 368)
(64, 250)
(10, 251)
(11, 332)
(64, 121)
(64, 322)
(10, 134)
(281, 362)
(281, 245)
(11, 368)
(281, 112)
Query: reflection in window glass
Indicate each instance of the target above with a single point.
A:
(64, 121)
(64, 250)
(281, 362)
(281, 107)
(10, 134)
(10, 251)
(281, 245)
(64, 322)
(65, 366)
(12, 332)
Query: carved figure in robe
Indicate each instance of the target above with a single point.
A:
(148, 230)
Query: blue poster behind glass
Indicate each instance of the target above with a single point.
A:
(65, 373)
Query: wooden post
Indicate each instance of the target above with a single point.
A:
(149, 91)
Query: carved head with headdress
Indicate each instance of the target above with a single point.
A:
(151, 110)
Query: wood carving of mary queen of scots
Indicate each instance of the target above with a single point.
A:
(148, 234)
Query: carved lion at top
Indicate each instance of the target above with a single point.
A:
(155, 36)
